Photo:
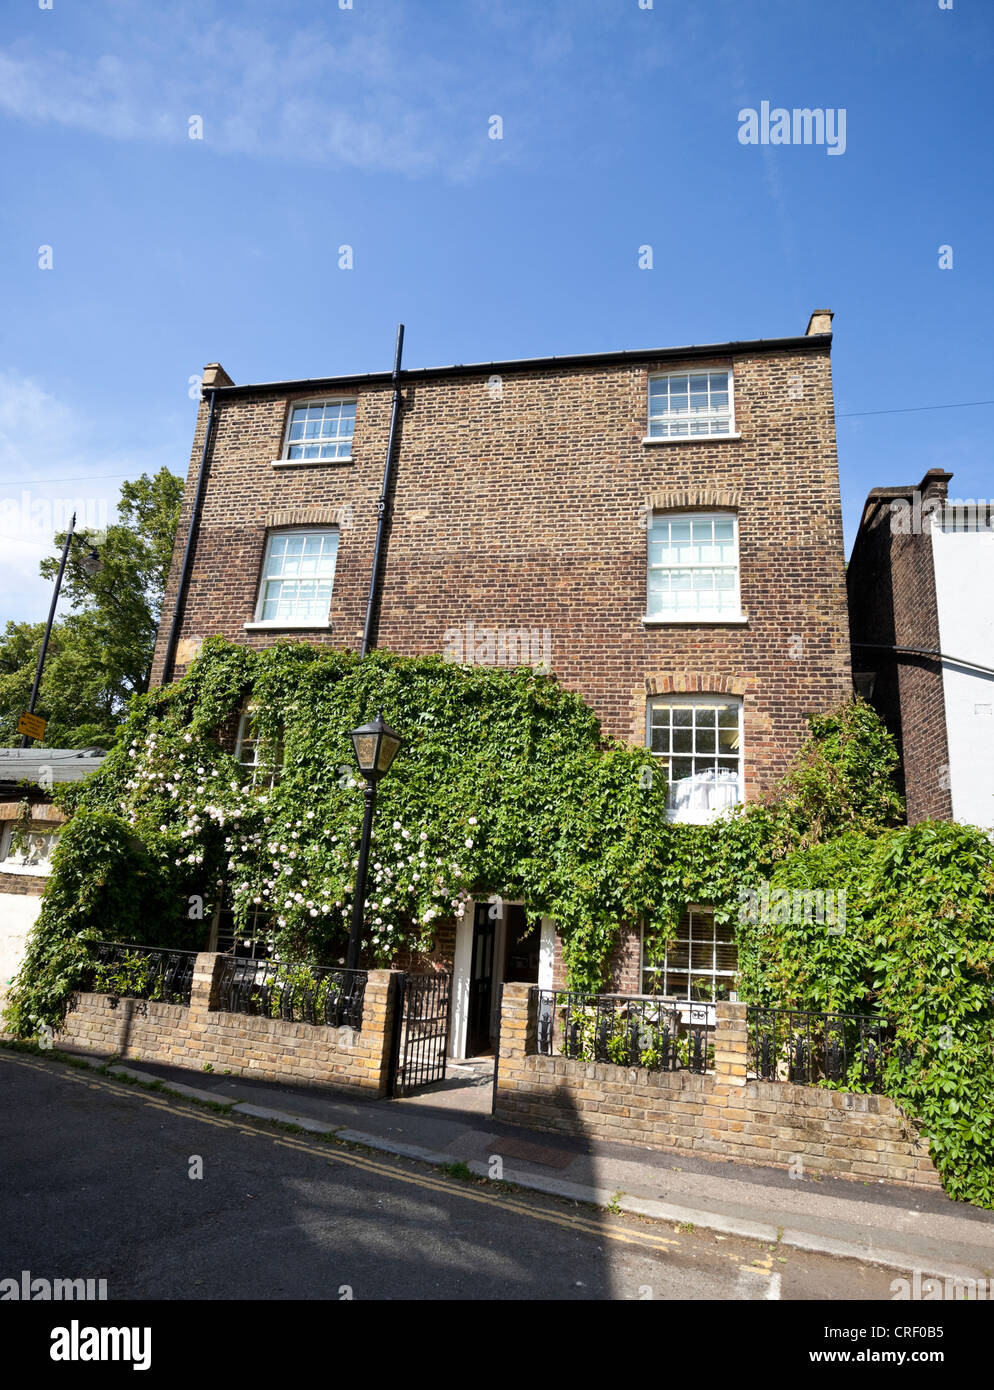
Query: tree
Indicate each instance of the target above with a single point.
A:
(100, 653)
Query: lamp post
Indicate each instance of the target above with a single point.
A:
(91, 563)
(376, 745)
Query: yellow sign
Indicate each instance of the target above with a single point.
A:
(32, 725)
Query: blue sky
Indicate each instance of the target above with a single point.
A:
(370, 126)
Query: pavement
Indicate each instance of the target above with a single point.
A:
(885, 1224)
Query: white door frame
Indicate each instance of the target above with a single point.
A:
(462, 964)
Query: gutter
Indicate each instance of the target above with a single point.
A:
(923, 651)
(184, 574)
(810, 342)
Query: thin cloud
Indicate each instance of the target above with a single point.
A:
(323, 96)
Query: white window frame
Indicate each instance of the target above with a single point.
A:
(285, 461)
(263, 772)
(730, 433)
(286, 624)
(13, 866)
(689, 815)
(734, 614)
(663, 971)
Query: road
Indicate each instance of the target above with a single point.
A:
(100, 1180)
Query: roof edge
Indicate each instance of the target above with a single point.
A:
(811, 342)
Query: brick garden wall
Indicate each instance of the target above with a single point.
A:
(719, 1115)
(269, 1049)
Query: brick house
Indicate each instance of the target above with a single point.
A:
(920, 579)
(662, 529)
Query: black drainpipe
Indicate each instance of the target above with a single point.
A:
(367, 634)
(184, 574)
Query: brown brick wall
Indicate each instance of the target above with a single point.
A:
(720, 1115)
(269, 1049)
(892, 602)
(441, 956)
(527, 510)
(23, 885)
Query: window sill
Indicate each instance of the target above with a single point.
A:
(287, 626)
(29, 870)
(696, 620)
(685, 817)
(309, 463)
(688, 438)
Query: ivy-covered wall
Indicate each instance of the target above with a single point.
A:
(506, 786)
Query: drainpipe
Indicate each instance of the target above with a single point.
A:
(367, 634)
(184, 574)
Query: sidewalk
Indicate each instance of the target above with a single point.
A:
(902, 1228)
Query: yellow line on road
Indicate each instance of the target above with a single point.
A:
(427, 1181)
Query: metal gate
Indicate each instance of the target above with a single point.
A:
(421, 1032)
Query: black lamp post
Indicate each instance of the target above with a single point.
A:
(376, 746)
(91, 563)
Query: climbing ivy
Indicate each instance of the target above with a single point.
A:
(505, 786)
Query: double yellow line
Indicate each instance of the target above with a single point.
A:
(645, 1239)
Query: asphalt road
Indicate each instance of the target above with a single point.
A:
(96, 1183)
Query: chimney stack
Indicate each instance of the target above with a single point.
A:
(215, 375)
(820, 322)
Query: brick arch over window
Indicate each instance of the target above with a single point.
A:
(680, 683)
(308, 516)
(689, 499)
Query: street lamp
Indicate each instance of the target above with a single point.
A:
(376, 745)
(91, 563)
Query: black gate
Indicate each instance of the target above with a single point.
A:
(421, 1032)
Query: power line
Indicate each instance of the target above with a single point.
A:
(909, 409)
(83, 478)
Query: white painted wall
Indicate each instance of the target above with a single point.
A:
(461, 966)
(18, 913)
(964, 586)
(547, 953)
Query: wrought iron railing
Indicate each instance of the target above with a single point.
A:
(294, 993)
(627, 1029)
(809, 1048)
(140, 972)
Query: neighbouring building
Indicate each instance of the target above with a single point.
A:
(29, 828)
(920, 581)
(662, 529)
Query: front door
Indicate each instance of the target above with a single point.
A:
(481, 979)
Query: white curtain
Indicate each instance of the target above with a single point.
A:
(714, 790)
